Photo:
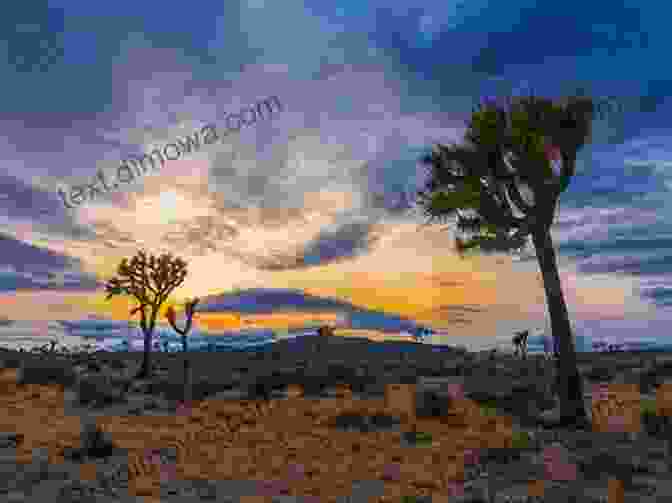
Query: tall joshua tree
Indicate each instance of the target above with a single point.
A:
(166, 273)
(189, 309)
(506, 163)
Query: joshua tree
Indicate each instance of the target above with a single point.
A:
(520, 343)
(189, 309)
(506, 164)
(136, 279)
(325, 330)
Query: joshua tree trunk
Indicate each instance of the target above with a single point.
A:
(147, 329)
(187, 379)
(570, 388)
(143, 373)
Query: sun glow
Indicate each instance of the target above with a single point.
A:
(169, 206)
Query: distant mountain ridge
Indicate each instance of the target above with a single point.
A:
(269, 300)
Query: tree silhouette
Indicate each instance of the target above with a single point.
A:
(520, 343)
(136, 280)
(189, 308)
(504, 164)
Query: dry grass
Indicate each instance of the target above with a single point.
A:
(290, 441)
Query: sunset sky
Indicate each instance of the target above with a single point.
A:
(288, 202)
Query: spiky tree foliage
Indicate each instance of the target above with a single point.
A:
(505, 164)
(150, 282)
(520, 343)
(189, 309)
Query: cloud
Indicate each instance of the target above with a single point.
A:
(30, 267)
(342, 243)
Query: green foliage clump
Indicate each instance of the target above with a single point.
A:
(648, 407)
(520, 440)
(488, 408)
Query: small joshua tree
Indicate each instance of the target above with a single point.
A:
(516, 345)
(189, 309)
(520, 342)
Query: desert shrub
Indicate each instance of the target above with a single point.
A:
(123, 383)
(488, 408)
(340, 372)
(11, 363)
(647, 381)
(97, 391)
(44, 373)
(351, 420)
(601, 373)
(93, 366)
(96, 443)
(203, 388)
(521, 440)
(259, 390)
(383, 421)
(432, 405)
(648, 406)
(117, 364)
(420, 439)
(655, 425)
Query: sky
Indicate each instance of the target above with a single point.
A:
(290, 201)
